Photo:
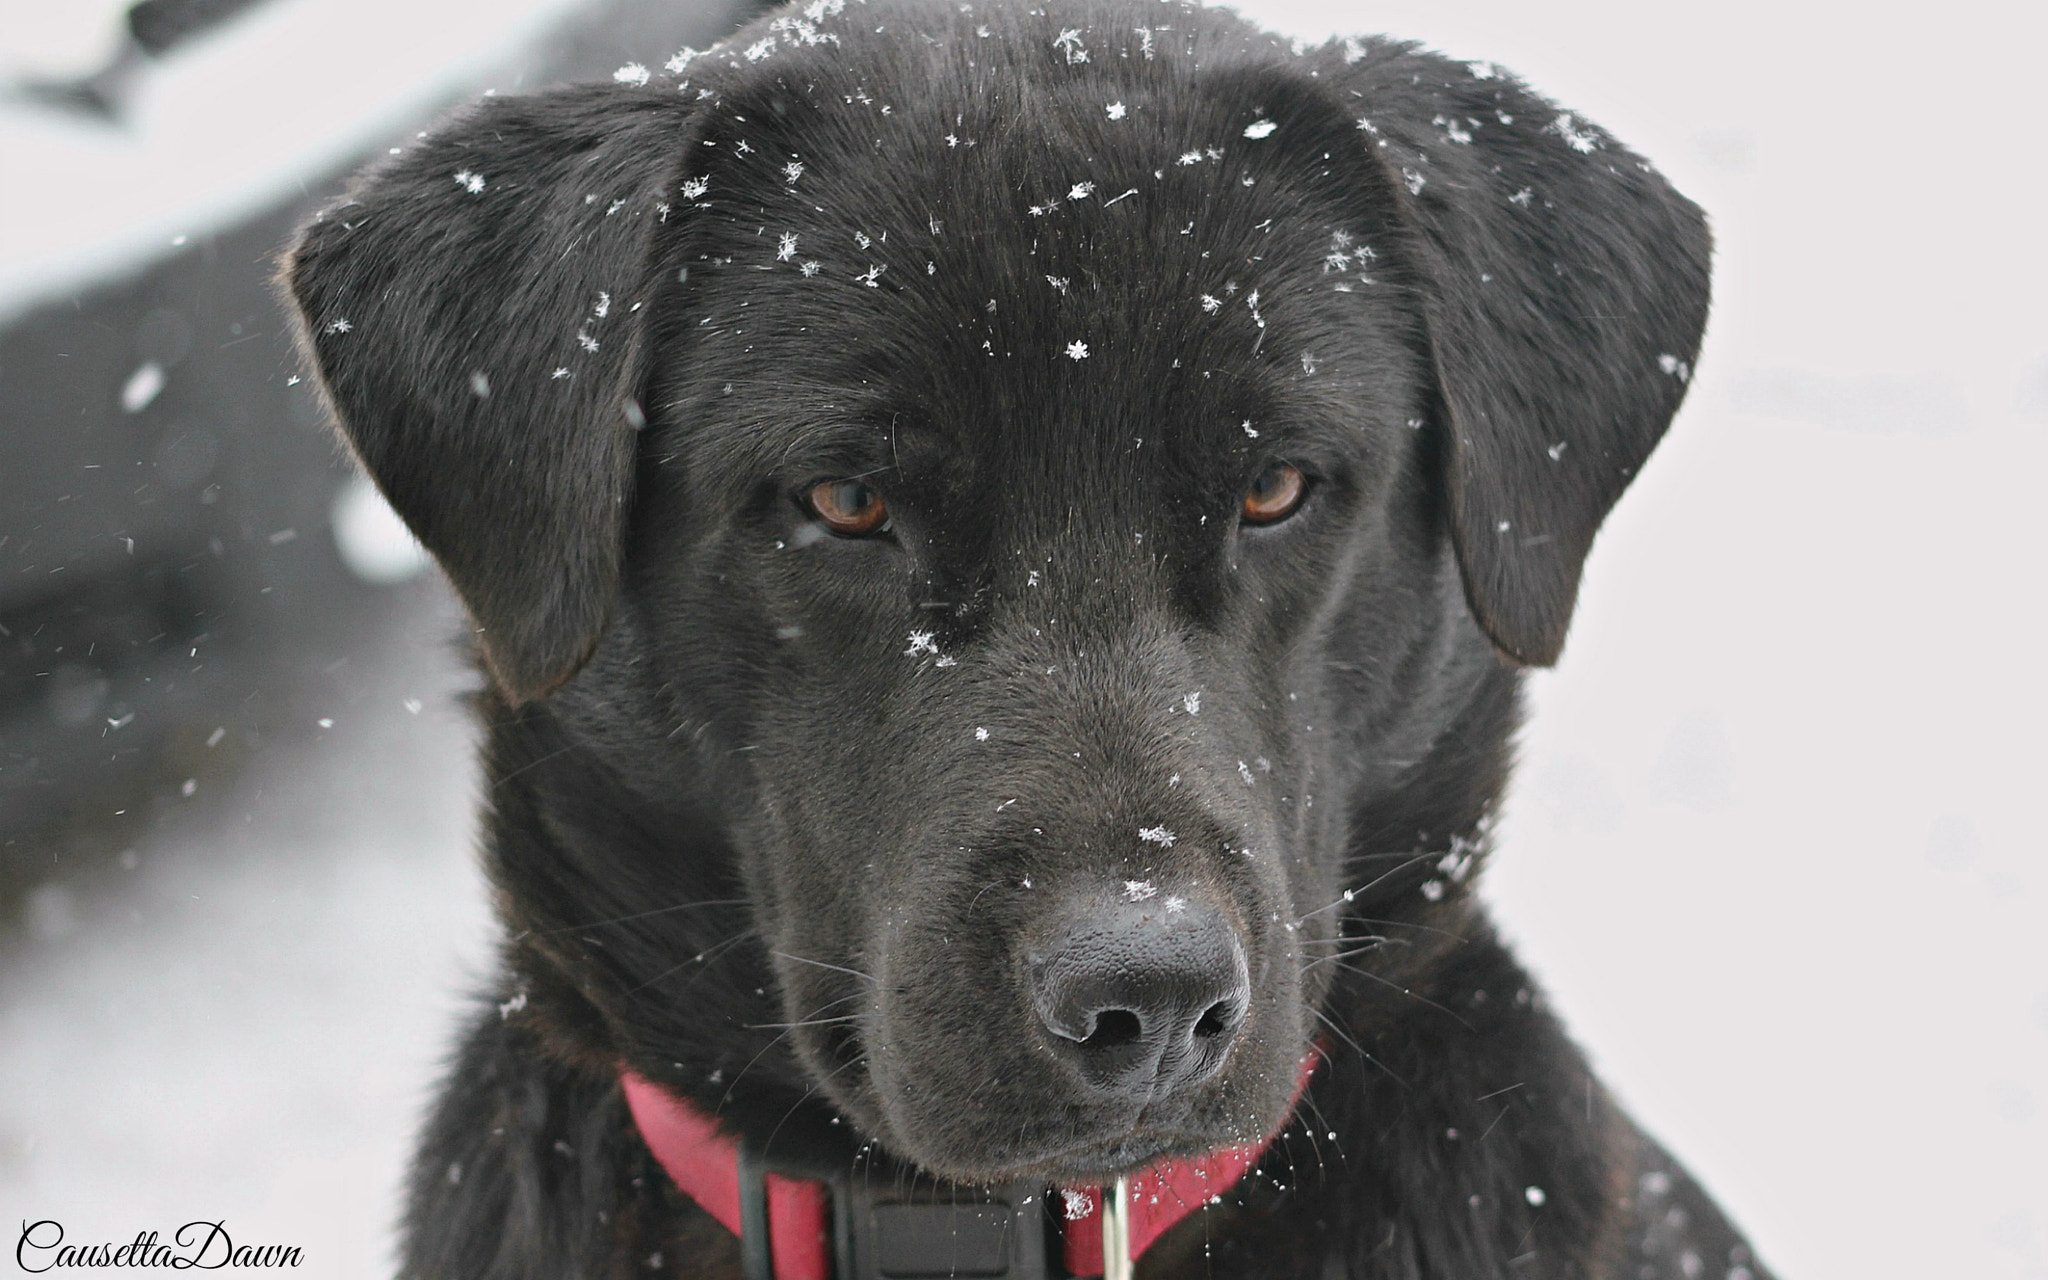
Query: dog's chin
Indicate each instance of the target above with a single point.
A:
(1063, 1140)
(1050, 1154)
(1087, 1162)
(1103, 1159)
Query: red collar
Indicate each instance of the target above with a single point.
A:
(704, 1163)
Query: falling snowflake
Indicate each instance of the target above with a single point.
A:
(811, 268)
(1139, 890)
(792, 171)
(1415, 181)
(1248, 428)
(872, 276)
(1244, 771)
(676, 64)
(921, 642)
(694, 188)
(785, 248)
(1077, 351)
(584, 340)
(1522, 197)
(1211, 303)
(760, 48)
(1260, 129)
(1483, 70)
(1193, 702)
(339, 326)
(1189, 157)
(1081, 191)
(1157, 835)
(470, 182)
(1068, 42)
(632, 73)
(1677, 368)
(560, 372)
(603, 306)
(1115, 110)
(980, 734)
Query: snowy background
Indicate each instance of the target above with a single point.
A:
(1775, 844)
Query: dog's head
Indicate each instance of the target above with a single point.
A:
(1008, 491)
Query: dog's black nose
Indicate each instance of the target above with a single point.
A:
(1143, 993)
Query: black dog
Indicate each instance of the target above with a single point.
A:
(1002, 541)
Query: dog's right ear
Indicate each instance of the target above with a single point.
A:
(474, 308)
(1563, 283)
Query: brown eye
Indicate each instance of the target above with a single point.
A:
(1275, 494)
(847, 507)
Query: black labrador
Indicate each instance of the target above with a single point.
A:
(1002, 540)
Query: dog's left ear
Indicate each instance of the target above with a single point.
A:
(1564, 290)
(475, 310)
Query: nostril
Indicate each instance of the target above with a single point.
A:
(1220, 1019)
(1114, 1027)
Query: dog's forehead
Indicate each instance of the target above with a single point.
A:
(1022, 226)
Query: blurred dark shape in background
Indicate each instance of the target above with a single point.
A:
(154, 28)
(187, 559)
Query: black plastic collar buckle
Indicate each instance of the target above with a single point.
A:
(886, 1227)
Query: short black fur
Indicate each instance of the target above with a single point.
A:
(776, 816)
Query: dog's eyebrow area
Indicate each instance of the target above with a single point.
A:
(1185, 288)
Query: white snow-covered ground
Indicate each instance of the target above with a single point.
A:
(245, 1025)
(1774, 846)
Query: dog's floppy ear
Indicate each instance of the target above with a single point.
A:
(474, 309)
(1565, 287)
